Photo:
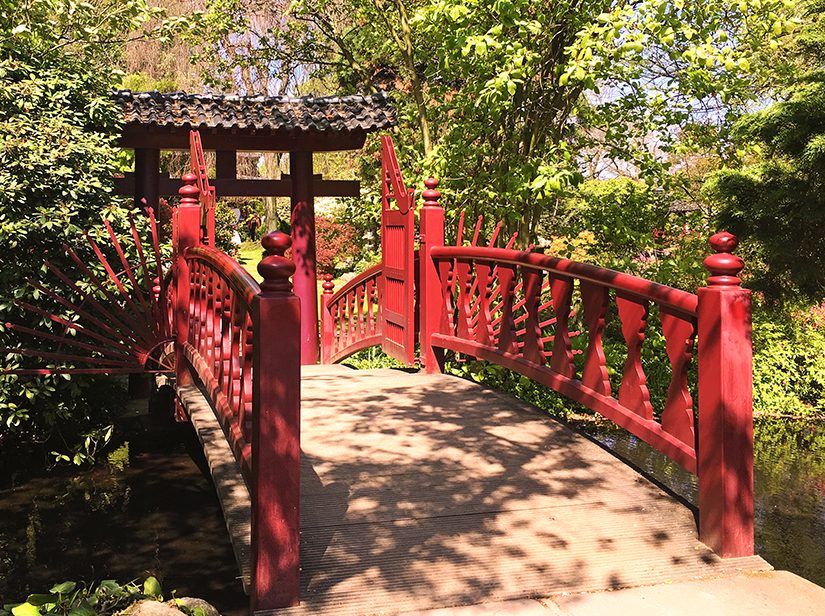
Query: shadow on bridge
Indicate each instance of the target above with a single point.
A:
(424, 491)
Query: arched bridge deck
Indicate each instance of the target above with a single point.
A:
(425, 491)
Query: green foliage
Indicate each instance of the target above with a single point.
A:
(520, 386)
(777, 203)
(509, 102)
(621, 213)
(57, 152)
(372, 358)
(226, 227)
(788, 363)
(72, 599)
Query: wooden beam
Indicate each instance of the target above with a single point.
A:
(177, 138)
(227, 187)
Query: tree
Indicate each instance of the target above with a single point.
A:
(57, 154)
(507, 100)
(777, 203)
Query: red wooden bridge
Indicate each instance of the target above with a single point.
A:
(359, 492)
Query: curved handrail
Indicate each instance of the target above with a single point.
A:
(233, 272)
(676, 299)
(372, 272)
(351, 316)
(219, 342)
(515, 309)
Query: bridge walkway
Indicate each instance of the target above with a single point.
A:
(428, 491)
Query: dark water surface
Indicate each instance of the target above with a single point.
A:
(151, 512)
(789, 483)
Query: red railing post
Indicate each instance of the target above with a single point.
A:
(725, 444)
(187, 232)
(276, 427)
(327, 324)
(431, 303)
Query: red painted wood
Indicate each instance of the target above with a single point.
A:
(507, 342)
(725, 405)
(327, 320)
(561, 359)
(633, 392)
(677, 416)
(594, 301)
(680, 301)
(350, 316)
(431, 298)
(533, 349)
(397, 311)
(303, 252)
(187, 233)
(276, 442)
(206, 195)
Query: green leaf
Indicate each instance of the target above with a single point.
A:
(25, 609)
(151, 587)
(63, 588)
(39, 600)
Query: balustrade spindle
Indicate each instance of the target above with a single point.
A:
(533, 349)
(633, 392)
(561, 358)
(677, 416)
(507, 342)
(594, 301)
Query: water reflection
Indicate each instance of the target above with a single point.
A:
(149, 511)
(789, 478)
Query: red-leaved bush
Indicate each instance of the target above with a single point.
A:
(335, 246)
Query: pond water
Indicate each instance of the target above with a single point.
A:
(789, 486)
(150, 511)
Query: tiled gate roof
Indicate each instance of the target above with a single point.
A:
(323, 114)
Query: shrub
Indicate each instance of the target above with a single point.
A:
(336, 248)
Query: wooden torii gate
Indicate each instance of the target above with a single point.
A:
(157, 121)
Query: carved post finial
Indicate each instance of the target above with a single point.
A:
(328, 285)
(274, 267)
(189, 192)
(723, 266)
(431, 195)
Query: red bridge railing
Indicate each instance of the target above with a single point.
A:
(240, 343)
(515, 309)
(351, 317)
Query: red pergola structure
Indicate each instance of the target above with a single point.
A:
(228, 124)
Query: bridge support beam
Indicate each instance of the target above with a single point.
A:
(725, 449)
(303, 252)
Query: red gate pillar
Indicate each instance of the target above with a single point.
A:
(303, 252)
(431, 301)
(186, 233)
(276, 431)
(725, 444)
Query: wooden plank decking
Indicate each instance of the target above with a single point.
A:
(424, 491)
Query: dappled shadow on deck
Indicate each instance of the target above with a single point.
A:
(430, 491)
